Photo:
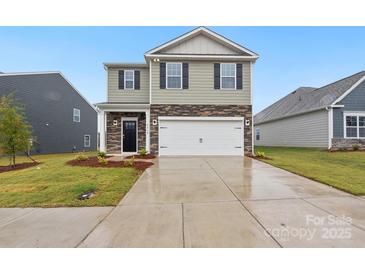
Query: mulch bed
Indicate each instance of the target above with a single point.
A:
(93, 162)
(148, 156)
(260, 158)
(17, 166)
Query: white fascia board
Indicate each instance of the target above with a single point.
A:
(125, 65)
(200, 57)
(124, 107)
(348, 91)
(198, 30)
(200, 118)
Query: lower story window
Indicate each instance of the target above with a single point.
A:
(87, 140)
(257, 133)
(355, 126)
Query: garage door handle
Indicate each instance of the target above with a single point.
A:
(237, 147)
(163, 147)
(163, 127)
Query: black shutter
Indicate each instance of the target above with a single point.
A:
(121, 79)
(137, 77)
(162, 75)
(185, 74)
(217, 76)
(239, 76)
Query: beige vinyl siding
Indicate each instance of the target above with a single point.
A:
(128, 96)
(306, 130)
(200, 45)
(201, 87)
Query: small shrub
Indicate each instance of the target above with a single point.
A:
(342, 149)
(102, 160)
(101, 154)
(81, 157)
(143, 152)
(355, 147)
(260, 154)
(130, 162)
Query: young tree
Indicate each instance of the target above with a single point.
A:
(15, 132)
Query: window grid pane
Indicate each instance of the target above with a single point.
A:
(128, 75)
(229, 70)
(128, 84)
(173, 82)
(351, 132)
(228, 82)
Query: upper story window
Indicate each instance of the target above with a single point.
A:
(76, 115)
(129, 79)
(355, 125)
(173, 75)
(257, 133)
(228, 76)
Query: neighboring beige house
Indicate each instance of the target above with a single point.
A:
(193, 96)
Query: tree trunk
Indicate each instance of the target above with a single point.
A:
(13, 156)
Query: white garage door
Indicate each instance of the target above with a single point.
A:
(216, 136)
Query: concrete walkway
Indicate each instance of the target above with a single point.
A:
(201, 202)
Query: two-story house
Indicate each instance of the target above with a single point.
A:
(193, 96)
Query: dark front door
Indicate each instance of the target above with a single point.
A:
(129, 136)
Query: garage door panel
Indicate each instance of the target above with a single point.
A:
(184, 137)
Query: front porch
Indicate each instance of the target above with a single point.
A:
(123, 128)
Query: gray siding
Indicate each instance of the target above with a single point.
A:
(307, 130)
(355, 101)
(201, 87)
(49, 101)
(128, 96)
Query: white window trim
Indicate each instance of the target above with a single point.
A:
(125, 80)
(235, 76)
(181, 75)
(73, 115)
(357, 114)
(89, 140)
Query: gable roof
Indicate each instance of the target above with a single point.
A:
(307, 99)
(235, 48)
(41, 82)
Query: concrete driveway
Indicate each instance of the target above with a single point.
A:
(201, 202)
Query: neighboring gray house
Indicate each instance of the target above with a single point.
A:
(61, 118)
(192, 96)
(330, 117)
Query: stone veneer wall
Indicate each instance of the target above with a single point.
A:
(114, 133)
(205, 111)
(342, 143)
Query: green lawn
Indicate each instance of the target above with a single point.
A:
(343, 170)
(54, 184)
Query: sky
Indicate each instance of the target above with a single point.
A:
(290, 57)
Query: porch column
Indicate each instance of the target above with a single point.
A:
(102, 129)
(148, 131)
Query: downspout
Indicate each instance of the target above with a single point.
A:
(330, 126)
